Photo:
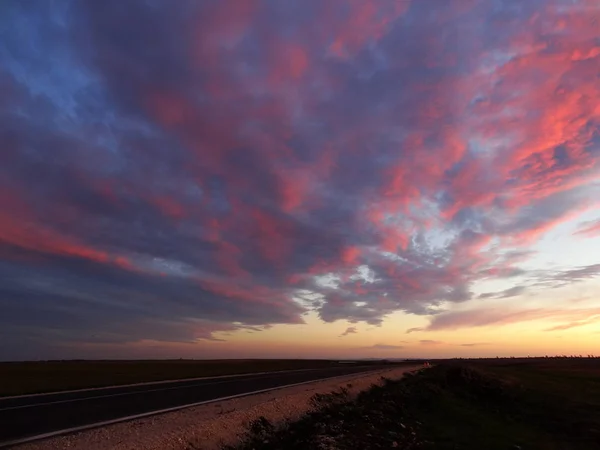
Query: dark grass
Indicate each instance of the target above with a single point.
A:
(18, 378)
(534, 404)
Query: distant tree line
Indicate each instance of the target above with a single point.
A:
(538, 357)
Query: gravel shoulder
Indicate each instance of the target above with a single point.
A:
(215, 424)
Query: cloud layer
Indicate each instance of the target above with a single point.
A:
(167, 173)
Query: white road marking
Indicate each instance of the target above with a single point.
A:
(79, 399)
(145, 383)
(162, 411)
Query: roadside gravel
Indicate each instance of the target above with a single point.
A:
(210, 426)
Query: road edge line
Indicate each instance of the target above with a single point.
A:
(145, 383)
(165, 410)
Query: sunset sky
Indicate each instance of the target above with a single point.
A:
(299, 178)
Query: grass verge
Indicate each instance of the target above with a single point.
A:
(452, 406)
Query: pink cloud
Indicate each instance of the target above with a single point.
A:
(374, 155)
(505, 316)
(367, 20)
(589, 229)
(574, 324)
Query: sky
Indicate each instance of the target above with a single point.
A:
(299, 178)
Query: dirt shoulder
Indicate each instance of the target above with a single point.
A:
(213, 425)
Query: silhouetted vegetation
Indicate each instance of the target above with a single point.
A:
(542, 403)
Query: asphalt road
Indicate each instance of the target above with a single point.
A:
(29, 416)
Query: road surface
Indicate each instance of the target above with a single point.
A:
(29, 416)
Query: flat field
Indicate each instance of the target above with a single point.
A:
(495, 404)
(17, 378)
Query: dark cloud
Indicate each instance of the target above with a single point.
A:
(578, 274)
(507, 293)
(413, 330)
(560, 278)
(171, 173)
(430, 342)
(349, 330)
(474, 344)
(549, 279)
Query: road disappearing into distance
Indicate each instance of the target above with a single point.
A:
(31, 417)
